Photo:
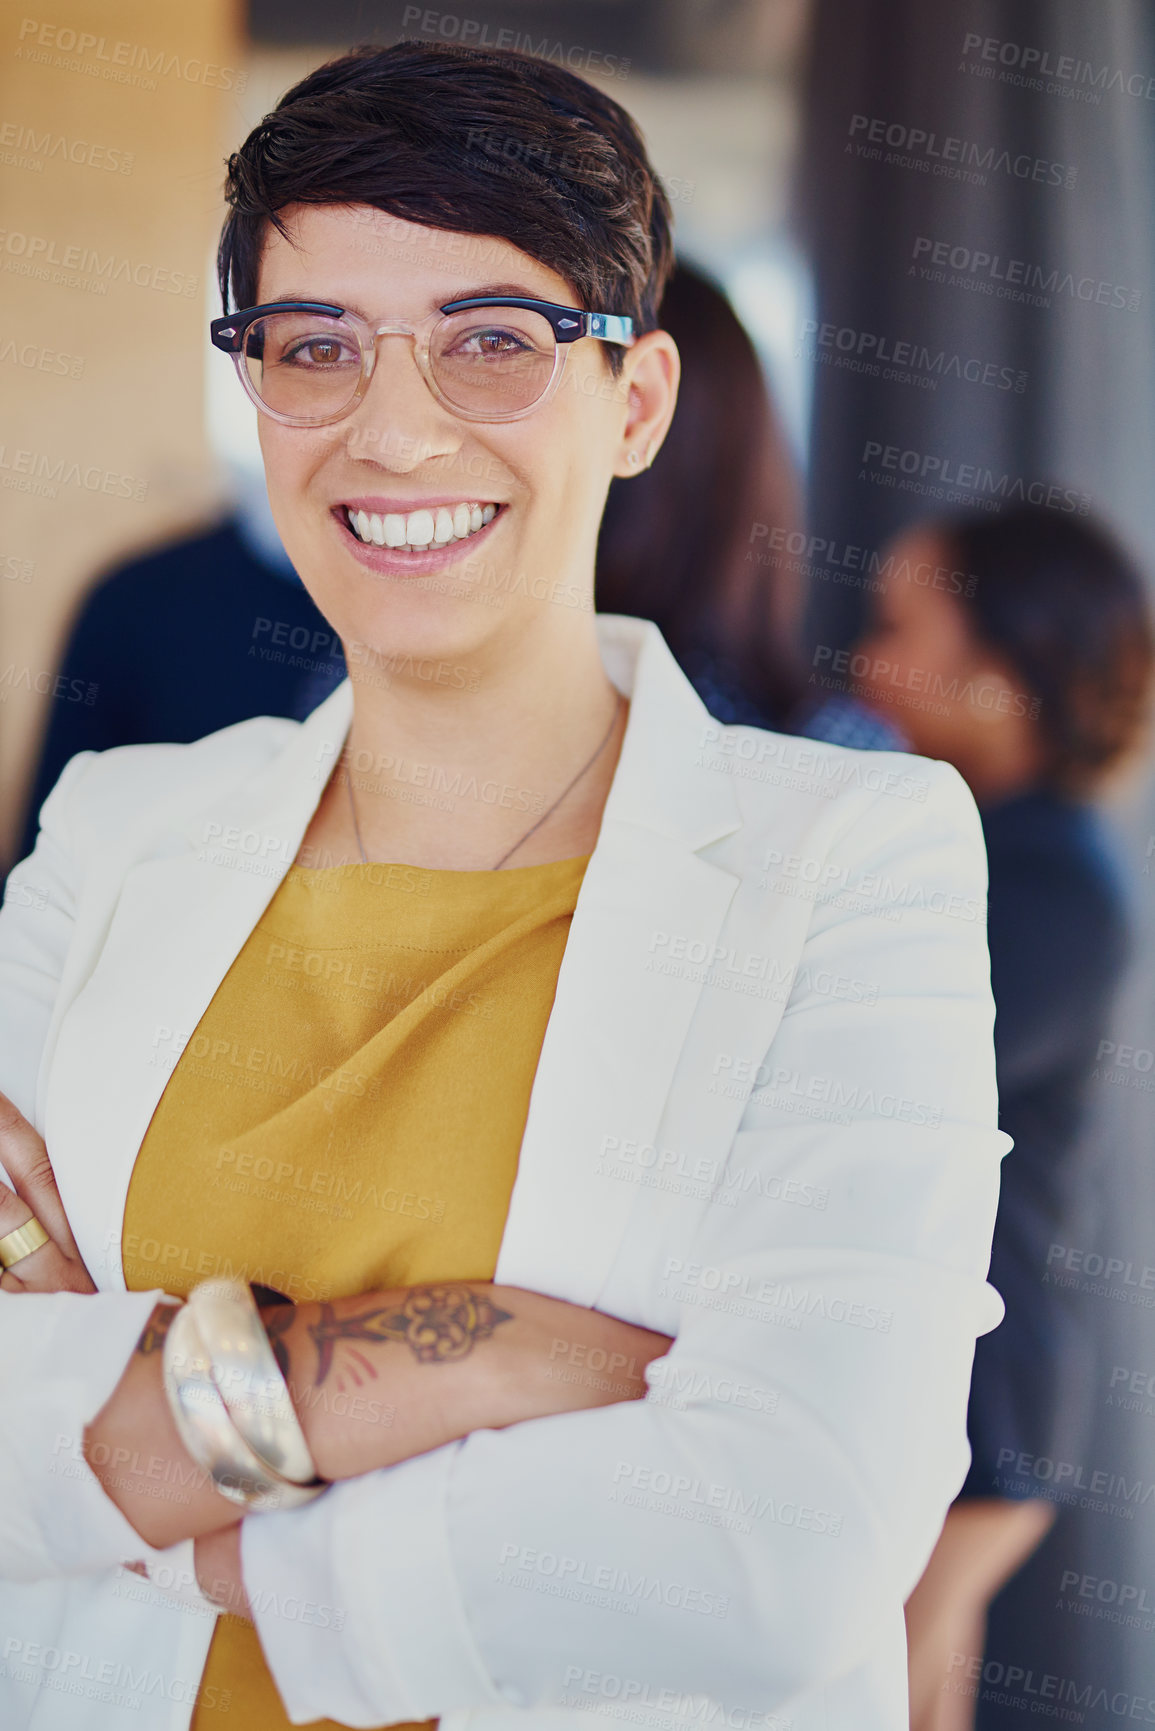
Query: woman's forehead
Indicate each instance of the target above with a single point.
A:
(359, 251)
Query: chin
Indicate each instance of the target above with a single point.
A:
(438, 618)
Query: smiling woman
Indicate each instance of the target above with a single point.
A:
(372, 1269)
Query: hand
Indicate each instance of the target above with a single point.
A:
(217, 1559)
(53, 1267)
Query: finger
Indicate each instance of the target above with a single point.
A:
(45, 1269)
(25, 1159)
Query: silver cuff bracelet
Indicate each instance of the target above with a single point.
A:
(249, 1379)
(207, 1429)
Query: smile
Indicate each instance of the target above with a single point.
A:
(417, 531)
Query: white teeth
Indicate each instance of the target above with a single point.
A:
(420, 529)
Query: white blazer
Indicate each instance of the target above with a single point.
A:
(763, 1121)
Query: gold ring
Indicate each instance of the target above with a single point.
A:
(15, 1246)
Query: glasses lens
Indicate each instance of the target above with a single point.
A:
(305, 366)
(493, 361)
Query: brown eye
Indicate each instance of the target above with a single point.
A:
(318, 351)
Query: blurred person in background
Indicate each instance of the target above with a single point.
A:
(686, 544)
(1029, 668)
(206, 630)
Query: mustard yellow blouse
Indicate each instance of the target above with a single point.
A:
(348, 1112)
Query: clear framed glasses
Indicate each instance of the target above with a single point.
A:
(487, 358)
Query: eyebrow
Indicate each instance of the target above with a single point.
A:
(515, 290)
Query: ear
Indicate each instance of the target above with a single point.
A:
(650, 378)
(991, 673)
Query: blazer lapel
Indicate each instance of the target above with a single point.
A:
(618, 1025)
(178, 924)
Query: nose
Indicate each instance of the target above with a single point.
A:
(399, 424)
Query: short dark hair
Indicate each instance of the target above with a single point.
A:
(483, 142)
(1058, 598)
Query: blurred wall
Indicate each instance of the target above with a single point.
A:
(114, 119)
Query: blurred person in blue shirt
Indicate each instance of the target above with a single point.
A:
(1019, 648)
(202, 632)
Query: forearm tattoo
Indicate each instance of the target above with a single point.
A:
(155, 1329)
(439, 1324)
(277, 1320)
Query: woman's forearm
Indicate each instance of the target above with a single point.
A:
(388, 1375)
(375, 1379)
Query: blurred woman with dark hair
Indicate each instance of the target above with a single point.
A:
(689, 543)
(1031, 677)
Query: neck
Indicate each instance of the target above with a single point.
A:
(452, 764)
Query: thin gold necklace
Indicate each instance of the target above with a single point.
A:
(533, 829)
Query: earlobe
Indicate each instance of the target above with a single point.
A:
(636, 461)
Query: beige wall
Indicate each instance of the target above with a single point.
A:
(115, 116)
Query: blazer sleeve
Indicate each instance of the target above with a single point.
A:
(61, 1354)
(702, 1541)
